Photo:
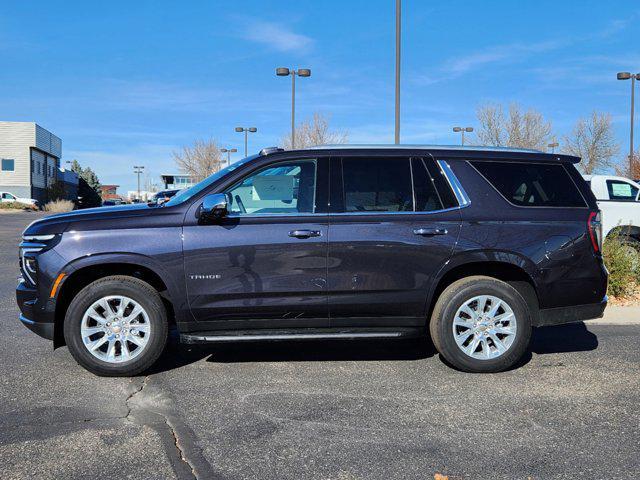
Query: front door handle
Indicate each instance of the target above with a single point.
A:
(430, 231)
(304, 233)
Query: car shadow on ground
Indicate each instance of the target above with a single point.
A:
(545, 340)
(573, 337)
(178, 355)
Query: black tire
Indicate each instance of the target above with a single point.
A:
(452, 298)
(140, 292)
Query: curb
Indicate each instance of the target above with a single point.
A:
(614, 315)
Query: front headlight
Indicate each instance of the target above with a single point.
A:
(29, 248)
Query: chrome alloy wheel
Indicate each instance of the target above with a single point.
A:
(115, 329)
(484, 327)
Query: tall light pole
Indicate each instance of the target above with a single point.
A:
(462, 130)
(229, 151)
(138, 169)
(301, 72)
(246, 131)
(627, 76)
(398, 35)
(553, 146)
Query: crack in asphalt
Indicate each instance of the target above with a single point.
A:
(176, 442)
(150, 406)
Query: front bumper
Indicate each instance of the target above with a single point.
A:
(576, 313)
(36, 316)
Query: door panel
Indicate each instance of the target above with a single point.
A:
(250, 273)
(391, 228)
(378, 268)
(264, 265)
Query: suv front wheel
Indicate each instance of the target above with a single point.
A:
(116, 326)
(481, 324)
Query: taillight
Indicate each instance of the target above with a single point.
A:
(594, 227)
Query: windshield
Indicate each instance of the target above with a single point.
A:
(189, 193)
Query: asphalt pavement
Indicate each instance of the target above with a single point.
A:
(340, 410)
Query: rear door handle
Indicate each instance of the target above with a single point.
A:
(430, 231)
(304, 233)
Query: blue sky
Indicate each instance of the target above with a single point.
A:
(126, 83)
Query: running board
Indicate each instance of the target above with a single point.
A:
(259, 336)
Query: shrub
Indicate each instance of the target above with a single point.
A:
(15, 206)
(623, 262)
(59, 206)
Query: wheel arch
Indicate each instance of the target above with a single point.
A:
(83, 273)
(510, 268)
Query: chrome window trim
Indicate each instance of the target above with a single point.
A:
(342, 214)
(454, 183)
(432, 212)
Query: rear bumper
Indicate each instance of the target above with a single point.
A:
(35, 316)
(576, 313)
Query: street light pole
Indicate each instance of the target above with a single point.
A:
(246, 131)
(229, 151)
(633, 77)
(301, 72)
(398, 34)
(462, 130)
(553, 146)
(137, 169)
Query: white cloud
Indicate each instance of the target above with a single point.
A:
(465, 64)
(276, 36)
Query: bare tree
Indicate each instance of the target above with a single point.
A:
(199, 160)
(314, 132)
(630, 169)
(520, 129)
(593, 140)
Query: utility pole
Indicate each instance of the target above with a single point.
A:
(138, 169)
(398, 35)
(462, 130)
(301, 72)
(246, 131)
(229, 151)
(633, 77)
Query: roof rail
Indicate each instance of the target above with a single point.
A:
(421, 146)
(268, 150)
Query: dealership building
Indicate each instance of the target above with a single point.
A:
(177, 181)
(30, 161)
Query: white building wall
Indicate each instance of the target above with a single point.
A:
(16, 138)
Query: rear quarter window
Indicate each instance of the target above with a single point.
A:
(528, 184)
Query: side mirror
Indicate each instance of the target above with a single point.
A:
(213, 206)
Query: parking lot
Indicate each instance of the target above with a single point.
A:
(326, 410)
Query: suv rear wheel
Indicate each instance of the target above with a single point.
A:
(481, 324)
(116, 326)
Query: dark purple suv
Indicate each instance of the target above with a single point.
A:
(472, 246)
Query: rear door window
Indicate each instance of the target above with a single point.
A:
(431, 189)
(622, 191)
(532, 184)
(377, 185)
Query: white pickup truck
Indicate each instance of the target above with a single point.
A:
(619, 201)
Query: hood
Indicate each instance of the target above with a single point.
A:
(87, 219)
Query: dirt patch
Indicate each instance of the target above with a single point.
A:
(632, 300)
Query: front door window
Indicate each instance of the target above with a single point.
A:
(285, 188)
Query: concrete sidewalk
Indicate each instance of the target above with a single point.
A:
(618, 316)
